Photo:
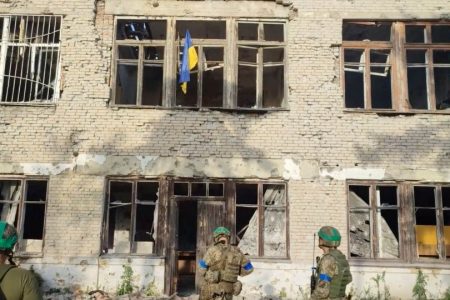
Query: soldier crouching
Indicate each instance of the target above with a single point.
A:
(221, 267)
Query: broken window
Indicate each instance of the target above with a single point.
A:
(261, 59)
(373, 221)
(29, 59)
(23, 204)
(423, 76)
(140, 49)
(255, 81)
(377, 210)
(132, 217)
(260, 220)
(432, 230)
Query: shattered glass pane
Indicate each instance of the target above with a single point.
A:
(246, 86)
(273, 86)
(425, 225)
(274, 195)
(369, 31)
(274, 32)
(147, 191)
(440, 34)
(360, 237)
(359, 196)
(248, 31)
(415, 33)
(145, 230)
(274, 232)
(141, 29)
(126, 84)
(152, 85)
(247, 229)
(202, 29)
(10, 190)
(246, 194)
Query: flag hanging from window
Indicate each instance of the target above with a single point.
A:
(188, 62)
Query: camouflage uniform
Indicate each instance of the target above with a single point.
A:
(333, 275)
(220, 268)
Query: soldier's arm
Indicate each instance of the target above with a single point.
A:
(31, 288)
(246, 265)
(204, 263)
(328, 269)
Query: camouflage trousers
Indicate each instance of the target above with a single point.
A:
(217, 291)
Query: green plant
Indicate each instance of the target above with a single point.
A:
(379, 280)
(151, 289)
(126, 283)
(420, 287)
(446, 294)
(283, 293)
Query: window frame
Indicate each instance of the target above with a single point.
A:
(21, 214)
(6, 44)
(173, 44)
(260, 211)
(406, 222)
(399, 67)
(133, 215)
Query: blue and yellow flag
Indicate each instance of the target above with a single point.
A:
(188, 62)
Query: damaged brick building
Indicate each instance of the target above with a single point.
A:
(298, 114)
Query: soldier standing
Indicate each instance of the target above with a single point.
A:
(15, 283)
(333, 271)
(220, 268)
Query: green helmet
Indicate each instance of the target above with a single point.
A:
(221, 231)
(8, 236)
(330, 236)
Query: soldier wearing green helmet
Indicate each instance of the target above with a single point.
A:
(333, 271)
(15, 283)
(220, 268)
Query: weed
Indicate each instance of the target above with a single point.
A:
(420, 287)
(126, 284)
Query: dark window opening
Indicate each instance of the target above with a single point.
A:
(187, 226)
(366, 31)
(415, 33)
(248, 31)
(417, 79)
(216, 189)
(198, 189)
(246, 193)
(202, 29)
(126, 84)
(181, 189)
(141, 30)
(440, 33)
(426, 223)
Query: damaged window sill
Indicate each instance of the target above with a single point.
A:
(203, 109)
(22, 255)
(28, 104)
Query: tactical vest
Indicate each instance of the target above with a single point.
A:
(231, 265)
(342, 278)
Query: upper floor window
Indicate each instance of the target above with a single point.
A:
(23, 204)
(239, 64)
(397, 66)
(29, 59)
(377, 209)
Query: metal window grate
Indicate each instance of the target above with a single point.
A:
(29, 56)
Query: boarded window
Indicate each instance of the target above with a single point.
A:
(23, 204)
(29, 59)
(131, 217)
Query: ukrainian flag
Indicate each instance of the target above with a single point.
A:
(189, 61)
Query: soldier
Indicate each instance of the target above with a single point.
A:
(333, 271)
(15, 283)
(220, 268)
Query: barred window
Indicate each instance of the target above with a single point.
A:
(29, 59)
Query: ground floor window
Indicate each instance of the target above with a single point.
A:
(399, 220)
(22, 204)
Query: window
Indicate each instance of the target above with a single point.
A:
(131, 217)
(261, 219)
(239, 68)
(376, 211)
(23, 204)
(29, 59)
(396, 66)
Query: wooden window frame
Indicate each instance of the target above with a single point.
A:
(134, 202)
(399, 77)
(173, 45)
(406, 221)
(260, 210)
(21, 207)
